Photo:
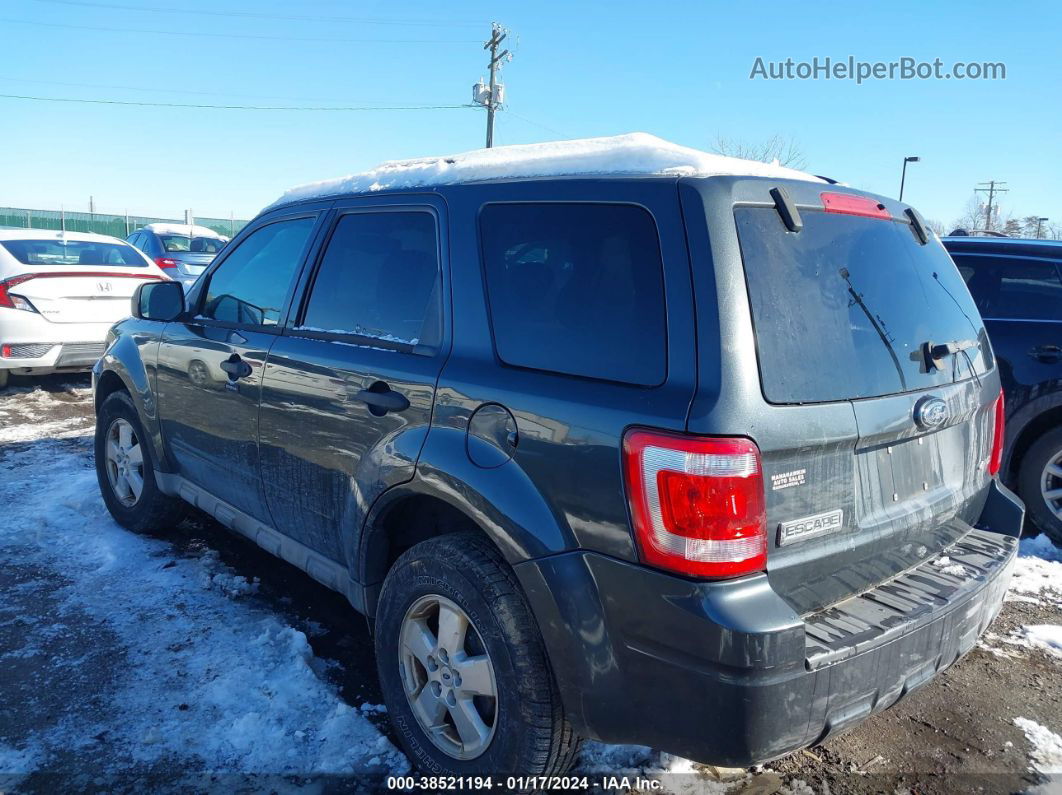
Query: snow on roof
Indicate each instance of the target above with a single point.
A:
(55, 234)
(631, 154)
(188, 230)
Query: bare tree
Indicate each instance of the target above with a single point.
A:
(785, 150)
(973, 215)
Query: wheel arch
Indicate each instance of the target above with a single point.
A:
(1030, 422)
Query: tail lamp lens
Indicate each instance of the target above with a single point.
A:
(995, 460)
(166, 262)
(697, 503)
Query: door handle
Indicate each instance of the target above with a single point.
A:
(381, 399)
(1048, 354)
(236, 367)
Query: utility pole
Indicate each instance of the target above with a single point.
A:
(991, 188)
(92, 205)
(492, 95)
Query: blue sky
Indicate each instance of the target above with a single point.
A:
(680, 71)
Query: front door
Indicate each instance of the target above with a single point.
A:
(348, 389)
(210, 366)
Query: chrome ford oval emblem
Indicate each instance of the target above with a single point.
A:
(931, 412)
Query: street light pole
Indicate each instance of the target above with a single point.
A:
(903, 174)
(1039, 225)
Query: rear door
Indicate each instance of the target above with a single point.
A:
(875, 440)
(1020, 299)
(210, 366)
(348, 389)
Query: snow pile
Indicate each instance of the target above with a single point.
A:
(675, 774)
(194, 678)
(1039, 569)
(1046, 753)
(630, 155)
(188, 230)
(1043, 636)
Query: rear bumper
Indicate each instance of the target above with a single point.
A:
(39, 346)
(727, 673)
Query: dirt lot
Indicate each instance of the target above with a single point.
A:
(957, 734)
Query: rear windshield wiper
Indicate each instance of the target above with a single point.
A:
(934, 354)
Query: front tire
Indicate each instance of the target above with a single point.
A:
(463, 668)
(126, 472)
(1040, 483)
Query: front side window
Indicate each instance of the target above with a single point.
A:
(577, 289)
(251, 286)
(379, 278)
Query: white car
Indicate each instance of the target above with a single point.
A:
(59, 294)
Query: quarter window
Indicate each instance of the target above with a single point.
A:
(379, 278)
(577, 289)
(251, 286)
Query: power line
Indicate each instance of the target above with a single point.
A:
(233, 107)
(156, 90)
(259, 37)
(259, 15)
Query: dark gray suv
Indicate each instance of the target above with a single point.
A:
(702, 461)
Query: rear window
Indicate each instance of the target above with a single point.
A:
(194, 245)
(842, 308)
(577, 289)
(73, 252)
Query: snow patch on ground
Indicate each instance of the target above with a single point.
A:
(676, 774)
(1038, 571)
(201, 674)
(631, 154)
(1046, 751)
(1041, 636)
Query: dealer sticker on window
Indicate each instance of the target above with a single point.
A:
(810, 527)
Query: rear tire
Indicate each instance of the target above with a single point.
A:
(1041, 471)
(4, 375)
(521, 729)
(125, 470)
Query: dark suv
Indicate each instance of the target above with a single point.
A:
(1017, 286)
(702, 463)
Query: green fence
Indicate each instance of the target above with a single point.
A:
(102, 223)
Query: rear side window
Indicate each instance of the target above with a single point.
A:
(251, 286)
(73, 252)
(841, 309)
(577, 289)
(379, 277)
(1014, 289)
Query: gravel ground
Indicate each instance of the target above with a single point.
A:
(957, 734)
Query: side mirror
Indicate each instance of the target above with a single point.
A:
(163, 301)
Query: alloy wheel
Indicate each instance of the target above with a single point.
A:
(125, 463)
(448, 677)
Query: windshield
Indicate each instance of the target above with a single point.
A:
(73, 252)
(844, 308)
(194, 245)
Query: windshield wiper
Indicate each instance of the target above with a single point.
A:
(935, 353)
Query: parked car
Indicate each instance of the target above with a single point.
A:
(59, 294)
(182, 250)
(1017, 286)
(703, 460)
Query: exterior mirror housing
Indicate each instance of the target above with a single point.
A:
(163, 301)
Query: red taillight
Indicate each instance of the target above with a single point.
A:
(14, 301)
(697, 503)
(166, 262)
(995, 460)
(847, 204)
